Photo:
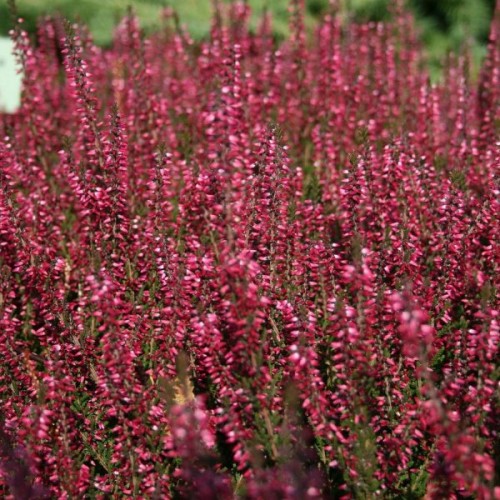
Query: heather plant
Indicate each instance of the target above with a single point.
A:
(243, 268)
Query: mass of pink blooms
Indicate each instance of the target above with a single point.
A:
(250, 268)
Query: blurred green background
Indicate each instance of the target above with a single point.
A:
(444, 24)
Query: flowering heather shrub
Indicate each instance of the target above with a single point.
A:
(236, 269)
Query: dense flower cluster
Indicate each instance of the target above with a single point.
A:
(238, 268)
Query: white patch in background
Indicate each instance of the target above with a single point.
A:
(10, 79)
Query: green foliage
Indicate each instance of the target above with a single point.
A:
(312, 188)
(445, 25)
